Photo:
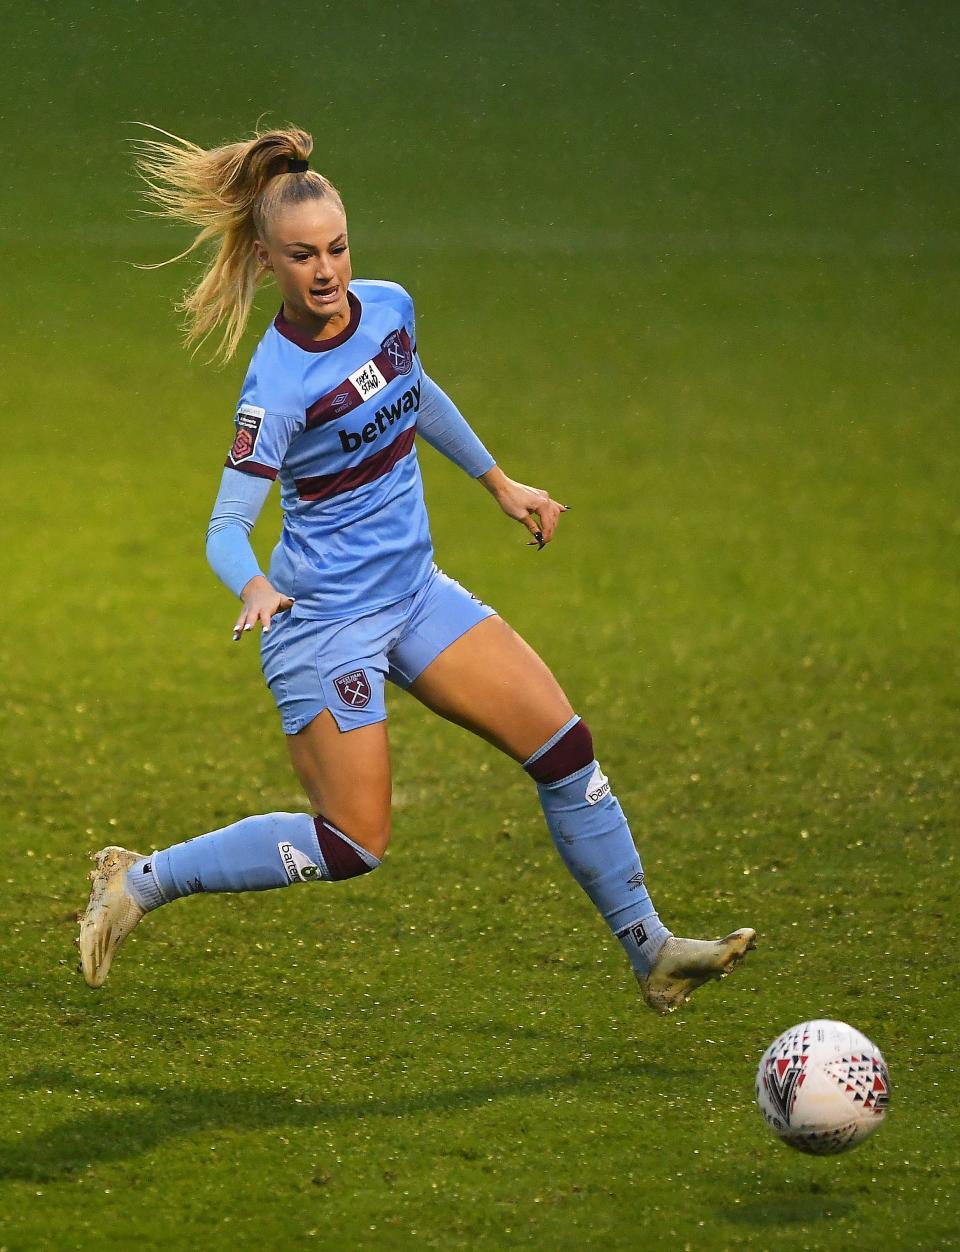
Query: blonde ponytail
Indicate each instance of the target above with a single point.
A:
(232, 194)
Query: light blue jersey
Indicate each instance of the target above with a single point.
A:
(335, 421)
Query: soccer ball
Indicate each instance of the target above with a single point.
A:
(823, 1087)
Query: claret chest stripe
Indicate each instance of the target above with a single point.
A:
(323, 486)
(394, 359)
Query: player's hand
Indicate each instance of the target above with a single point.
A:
(532, 507)
(260, 601)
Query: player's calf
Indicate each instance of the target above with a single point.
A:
(591, 834)
(256, 854)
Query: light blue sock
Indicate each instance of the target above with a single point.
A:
(255, 854)
(591, 834)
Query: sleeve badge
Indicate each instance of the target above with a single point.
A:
(249, 419)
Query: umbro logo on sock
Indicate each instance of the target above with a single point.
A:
(598, 786)
(635, 881)
(296, 866)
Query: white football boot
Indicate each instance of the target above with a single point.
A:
(682, 965)
(110, 915)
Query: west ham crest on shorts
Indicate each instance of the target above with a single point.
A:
(398, 354)
(249, 420)
(353, 689)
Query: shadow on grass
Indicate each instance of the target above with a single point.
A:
(772, 1199)
(798, 1209)
(175, 1111)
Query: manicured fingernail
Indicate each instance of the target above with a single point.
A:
(236, 636)
(248, 627)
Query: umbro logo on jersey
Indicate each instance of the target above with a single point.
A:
(383, 419)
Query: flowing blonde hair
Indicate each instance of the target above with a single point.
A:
(232, 193)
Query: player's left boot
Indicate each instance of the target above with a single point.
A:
(110, 915)
(682, 965)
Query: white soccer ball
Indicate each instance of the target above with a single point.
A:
(823, 1087)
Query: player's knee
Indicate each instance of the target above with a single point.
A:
(572, 751)
(374, 835)
(348, 854)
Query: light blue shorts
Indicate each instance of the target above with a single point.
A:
(343, 665)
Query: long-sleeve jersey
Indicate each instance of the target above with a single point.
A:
(335, 421)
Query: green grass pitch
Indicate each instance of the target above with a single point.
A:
(692, 267)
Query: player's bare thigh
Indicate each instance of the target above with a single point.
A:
(346, 775)
(492, 682)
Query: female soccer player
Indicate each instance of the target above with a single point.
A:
(331, 404)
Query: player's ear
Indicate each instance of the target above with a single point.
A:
(262, 255)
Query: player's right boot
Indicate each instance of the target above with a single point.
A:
(110, 915)
(682, 965)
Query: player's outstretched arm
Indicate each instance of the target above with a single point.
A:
(443, 426)
(531, 506)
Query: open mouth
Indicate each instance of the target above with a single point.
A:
(325, 295)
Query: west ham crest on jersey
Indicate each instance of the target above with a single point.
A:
(353, 689)
(398, 352)
(249, 420)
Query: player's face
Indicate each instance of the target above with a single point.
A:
(308, 253)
